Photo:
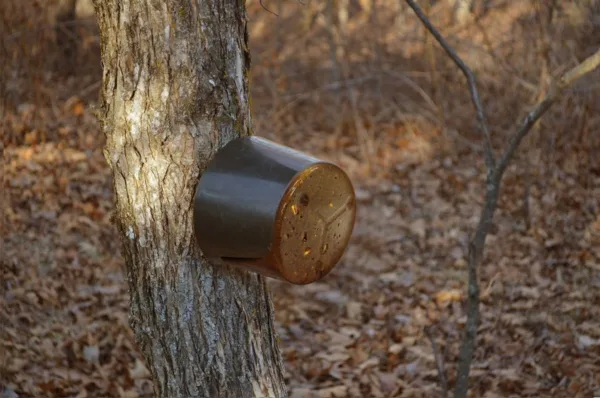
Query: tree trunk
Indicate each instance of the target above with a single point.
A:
(175, 89)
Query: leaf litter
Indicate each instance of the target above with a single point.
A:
(360, 331)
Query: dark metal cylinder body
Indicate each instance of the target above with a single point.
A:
(238, 196)
(273, 210)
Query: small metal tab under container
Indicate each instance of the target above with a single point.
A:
(272, 210)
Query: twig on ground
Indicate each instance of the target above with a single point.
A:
(495, 173)
(439, 362)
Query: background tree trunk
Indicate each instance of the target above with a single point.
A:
(175, 89)
(66, 33)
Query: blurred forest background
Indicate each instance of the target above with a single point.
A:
(361, 83)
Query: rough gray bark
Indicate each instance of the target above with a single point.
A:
(175, 89)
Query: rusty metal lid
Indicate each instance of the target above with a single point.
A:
(273, 210)
(314, 223)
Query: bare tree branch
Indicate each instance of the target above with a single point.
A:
(493, 183)
(265, 7)
(483, 125)
(556, 89)
(439, 362)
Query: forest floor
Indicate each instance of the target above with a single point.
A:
(404, 134)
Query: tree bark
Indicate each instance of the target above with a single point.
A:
(175, 90)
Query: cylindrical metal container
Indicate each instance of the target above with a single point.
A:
(273, 210)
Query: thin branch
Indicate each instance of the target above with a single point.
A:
(483, 125)
(38, 29)
(493, 182)
(265, 7)
(556, 89)
(439, 362)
